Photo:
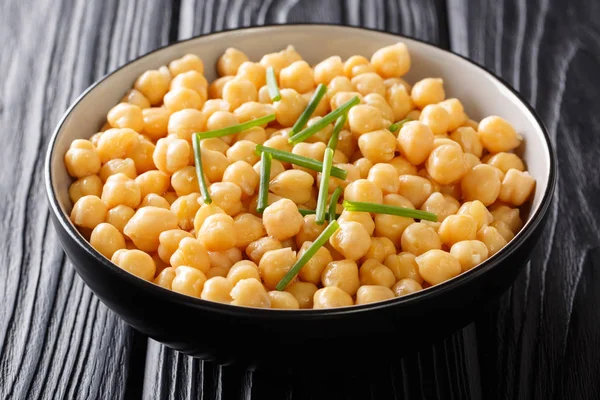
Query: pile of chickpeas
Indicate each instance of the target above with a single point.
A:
(136, 195)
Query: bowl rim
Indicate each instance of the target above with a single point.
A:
(238, 311)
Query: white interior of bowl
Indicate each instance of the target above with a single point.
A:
(481, 93)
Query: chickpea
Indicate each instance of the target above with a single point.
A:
(446, 164)
(88, 185)
(217, 289)
(504, 230)
(230, 61)
(239, 91)
(298, 76)
(482, 183)
(169, 242)
(322, 136)
(441, 205)
(250, 293)
(506, 161)
(185, 209)
(171, 154)
(215, 89)
(189, 62)
(372, 294)
(378, 146)
(152, 182)
(406, 286)
(214, 164)
(227, 196)
(516, 187)
(309, 230)
(303, 292)
(403, 167)
(254, 72)
(155, 122)
(378, 101)
(137, 98)
(293, 184)
(403, 266)
(283, 300)
(363, 190)
(142, 156)
(415, 188)
(165, 278)
(352, 240)
(368, 82)
(323, 105)
(146, 225)
(415, 142)
(183, 123)
(385, 177)
(343, 275)
(339, 84)
(316, 151)
(331, 297)
(311, 272)
(363, 165)
(191, 80)
(242, 150)
(469, 253)
(244, 176)
(274, 264)
(510, 216)
(107, 239)
(492, 239)
(120, 189)
(468, 140)
(125, 115)
(153, 84)
(289, 108)
(170, 197)
(224, 260)
(243, 270)
(255, 135)
(185, 181)
(372, 272)
(155, 200)
(248, 228)
(252, 110)
(478, 211)
(457, 228)
(340, 98)
(276, 168)
(280, 143)
(436, 118)
(357, 65)
(118, 165)
(213, 105)
(428, 91)
(188, 281)
(217, 232)
(391, 61)
(456, 112)
(119, 216)
(282, 219)
(437, 266)
(392, 226)
(380, 249)
(364, 118)
(419, 238)
(136, 262)
(328, 69)
(82, 159)
(180, 98)
(400, 101)
(497, 135)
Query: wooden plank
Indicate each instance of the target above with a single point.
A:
(56, 339)
(542, 342)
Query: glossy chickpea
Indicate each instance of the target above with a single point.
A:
(309, 230)
(363, 165)
(244, 176)
(185, 181)
(251, 110)
(283, 300)
(469, 253)
(217, 232)
(242, 150)
(378, 101)
(311, 272)
(255, 135)
(331, 297)
(321, 136)
(155, 200)
(380, 249)
(230, 61)
(415, 142)
(298, 76)
(274, 264)
(497, 135)
(339, 84)
(282, 219)
(217, 289)
(137, 98)
(372, 272)
(456, 112)
(125, 115)
(340, 98)
(436, 118)
(364, 118)
(403, 266)
(248, 228)
(153, 84)
(415, 188)
(293, 184)
(88, 185)
(142, 155)
(254, 72)
(506, 161)
(215, 89)
(165, 278)
(189, 62)
(120, 189)
(457, 228)
(492, 239)
(478, 211)
(277, 60)
(185, 209)
(316, 151)
(191, 80)
(226, 199)
(214, 164)
(156, 120)
(504, 230)
(368, 82)
(169, 243)
(263, 95)
(510, 216)
(328, 69)
(516, 187)
(392, 226)
(441, 205)
(357, 65)
(188, 280)
(428, 91)
(239, 91)
(378, 146)
(170, 196)
(352, 240)
(482, 183)
(183, 123)
(153, 182)
(171, 154)
(250, 293)
(419, 238)
(213, 105)
(303, 292)
(107, 239)
(373, 293)
(446, 164)
(180, 98)
(136, 262)
(146, 225)
(119, 216)
(289, 108)
(406, 286)
(400, 101)
(385, 177)
(403, 166)
(242, 270)
(391, 61)
(279, 142)
(323, 105)
(468, 140)
(363, 190)
(82, 159)
(437, 266)
(343, 275)
(116, 166)
(276, 168)
(224, 260)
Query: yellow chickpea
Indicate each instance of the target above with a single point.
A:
(339, 84)
(120, 189)
(88, 185)
(415, 188)
(406, 286)
(294, 185)
(478, 211)
(373, 293)
(283, 300)
(363, 190)
(256, 135)
(378, 101)
(185, 181)
(188, 281)
(469, 253)
(403, 166)
(189, 62)
(180, 98)
(311, 272)
(437, 266)
(119, 216)
(244, 176)
(331, 297)
(277, 60)
(213, 105)
(125, 115)
(328, 69)
(378, 146)
(457, 228)
(440, 204)
(183, 123)
(230, 61)
(385, 177)
(248, 228)
(428, 91)
(492, 239)
(185, 209)
(372, 272)
(142, 155)
(322, 136)
(254, 72)
(170, 197)
(146, 225)
(169, 243)
(298, 76)
(251, 110)
(165, 278)
(497, 135)
(156, 120)
(468, 140)
(446, 164)
(391, 61)
(309, 230)
(456, 112)
(153, 84)
(243, 270)
(217, 232)
(191, 252)
(504, 230)
(276, 168)
(506, 161)
(323, 105)
(352, 240)
(137, 98)
(282, 219)
(217, 289)
(303, 292)
(250, 293)
(368, 82)
(82, 159)
(419, 238)
(153, 182)
(289, 108)
(239, 91)
(357, 65)
(363, 165)
(227, 196)
(316, 151)
(415, 142)
(215, 89)
(107, 239)
(136, 262)
(364, 118)
(516, 187)
(191, 80)
(436, 118)
(340, 98)
(118, 165)
(400, 101)
(224, 260)
(171, 154)
(214, 163)
(343, 275)
(392, 226)
(482, 183)
(380, 249)
(155, 200)
(274, 264)
(404, 266)
(510, 216)
(242, 150)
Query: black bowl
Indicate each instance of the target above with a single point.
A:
(294, 340)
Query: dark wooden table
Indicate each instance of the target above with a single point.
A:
(542, 339)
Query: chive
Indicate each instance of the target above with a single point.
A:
(304, 212)
(272, 85)
(308, 254)
(230, 130)
(300, 161)
(339, 124)
(397, 125)
(323, 122)
(199, 170)
(333, 203)
(387, 209)
(324, 187)
(265, 177)
(310, 108)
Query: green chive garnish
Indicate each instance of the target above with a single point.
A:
(397, 125)
(310, 109)
(200, 170)
(265, 177)
(230, 130)
(387, 209)
(339, 124)
(304, 212)
(324, 187)
(272, 85)
(308, 254)
(323, 122)
(333, 203)
(300, 161)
